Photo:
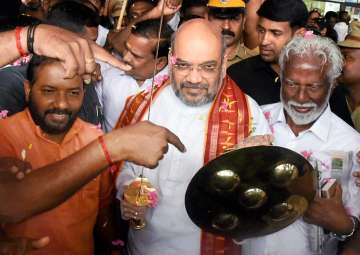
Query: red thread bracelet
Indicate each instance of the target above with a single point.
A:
(18, 41)
(105, 150)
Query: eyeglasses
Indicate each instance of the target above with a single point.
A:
(206, 69)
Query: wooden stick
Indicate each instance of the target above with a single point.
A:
(121, 17)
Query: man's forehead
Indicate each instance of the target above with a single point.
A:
(54, 71)
(274, 25)
(350, 50)
(308, 62)
(140, 45)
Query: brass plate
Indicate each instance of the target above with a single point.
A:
(251, 192)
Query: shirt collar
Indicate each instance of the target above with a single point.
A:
(321, 127)
(74, 130)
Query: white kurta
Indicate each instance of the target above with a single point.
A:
(327, 137)
(169, 230)
(102, 35)
(115, 88)
(342, 30)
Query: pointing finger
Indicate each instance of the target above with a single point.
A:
(174, 140)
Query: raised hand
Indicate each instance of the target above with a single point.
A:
(329, 213)
(77, 54)
(170, 8)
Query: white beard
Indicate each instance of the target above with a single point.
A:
(304, 118)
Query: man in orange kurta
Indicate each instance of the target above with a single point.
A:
(48, 131)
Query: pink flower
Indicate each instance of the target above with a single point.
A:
(306, 154)
(118, 242)
(153, 198)
(173, 60)
(113, 169)
(159, 79)
(3, 114)
(309, 34)
(267, 116)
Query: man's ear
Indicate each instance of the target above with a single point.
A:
(300, 31)
(206, 16)
(27, 90)
(333, 86)
(224, 65)
(161, 63)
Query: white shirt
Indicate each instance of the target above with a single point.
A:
(102, 35)
(342, 29)
(169, 230)
(174, 21)
(115, 88)
(327, 136)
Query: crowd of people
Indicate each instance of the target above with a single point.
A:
(91, 101)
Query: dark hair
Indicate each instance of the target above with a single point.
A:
(193, 3)
(314, 11)
(321, 23)
(343, 16)
(189, 4)
(34, 64)
(11, 16)
(292, 11)
(9, 8)
(150, 29)
(73, 16)
(330, 14)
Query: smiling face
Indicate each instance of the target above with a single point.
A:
(273, 36)
(54, 102)
(305, 90)
(197, 73)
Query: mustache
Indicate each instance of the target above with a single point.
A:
(58, 111)
(193, 85)
(228, 32)
(296, 104)
(307, 105)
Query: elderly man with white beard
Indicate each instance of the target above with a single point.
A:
(303, 122)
